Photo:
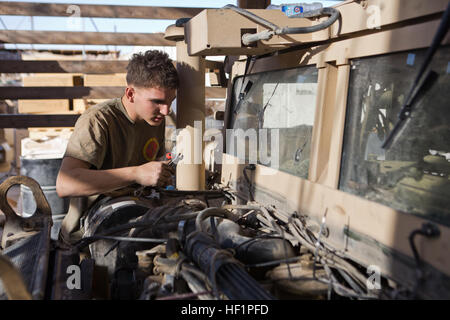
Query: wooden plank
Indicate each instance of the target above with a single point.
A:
(81, 92)
(43, 106)
(41, 133)
(64, 66)
(60, 92)
(215, 92)
(81, 105)
(48, 80)
(98, 38)
(101, 11)
(35, 120)
(105, 80)
(253, 4)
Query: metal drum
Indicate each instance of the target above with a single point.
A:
(44, 171)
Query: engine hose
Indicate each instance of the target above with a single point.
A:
(250, 207)
(247, 249)
(331, 12)
(252, 16)
(322, 253)
(252, 250)
(276, 30)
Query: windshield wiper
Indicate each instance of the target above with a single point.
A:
(423, 80)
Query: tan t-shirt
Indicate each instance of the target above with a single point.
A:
(107, 138)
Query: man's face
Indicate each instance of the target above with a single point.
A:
(153, 104)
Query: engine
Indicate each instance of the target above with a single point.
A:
(169, 244)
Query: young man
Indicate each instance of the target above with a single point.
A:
(117, 143)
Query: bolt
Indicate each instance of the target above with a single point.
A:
(325, 232)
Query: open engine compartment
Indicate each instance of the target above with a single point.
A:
(198, 245)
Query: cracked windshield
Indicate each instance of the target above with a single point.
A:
(279, 108)
(411, 175)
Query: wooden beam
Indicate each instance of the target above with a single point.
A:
(101, 11)
(34, 120)
(253, 4)
(64, 66)
(14, 93)
(98, 38)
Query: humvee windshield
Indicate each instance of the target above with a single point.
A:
(413, 174)
(283, 104)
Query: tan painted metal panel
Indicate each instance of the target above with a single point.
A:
(389, 228)
(218, 31)
(368, 45)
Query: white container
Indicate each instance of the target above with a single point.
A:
(292, 9)
(44, 148)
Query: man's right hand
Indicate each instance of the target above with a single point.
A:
(154, 173)
(76, 179)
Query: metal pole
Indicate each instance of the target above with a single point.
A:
(190, 114)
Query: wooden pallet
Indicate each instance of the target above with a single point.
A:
(41, 133)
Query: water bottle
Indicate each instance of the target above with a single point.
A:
(292, 9)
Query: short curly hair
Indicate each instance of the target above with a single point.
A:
(152, 69)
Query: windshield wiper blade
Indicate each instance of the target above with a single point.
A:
(427, 82)
(422, 82)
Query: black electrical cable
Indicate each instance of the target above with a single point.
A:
(428, 230)
(422, 78)
(251, 167)
(88, 240)
(273, 263)
(209, 193)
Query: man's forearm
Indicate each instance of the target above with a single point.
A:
(85, 182)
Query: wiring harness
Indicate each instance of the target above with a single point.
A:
(248, 38)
